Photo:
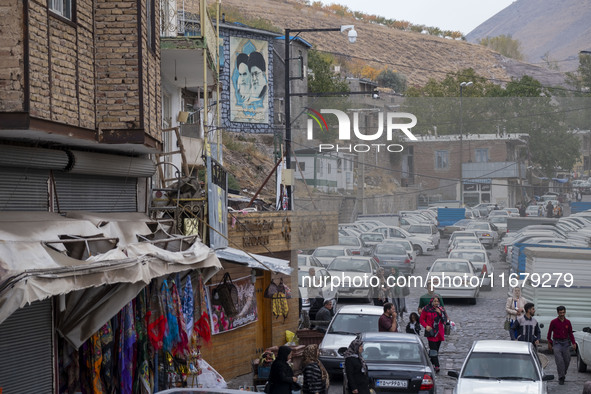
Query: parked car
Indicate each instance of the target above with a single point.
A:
(484, 208)
(583, 340)
(457, 226)
(514, 212)
(499, 212)
(480, 261)
(500, 223)
(420, 244)
(533, 210)
(498, 366)
(390, 255)
(455, 289)
(326, 254)
(396, 362)
(426, 230)
(359, 270)
(407, 245)
(354, 244)
(475, 242)
(307, 260)
(370, 240)
(347, 322)
(487, 232)
(462, 233)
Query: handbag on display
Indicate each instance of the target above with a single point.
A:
(226, 295)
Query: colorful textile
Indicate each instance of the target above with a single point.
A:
(143, 380)
(188, 306)
(171, 334)
(107, 347)
(127, 340)
(95, 362)
(181, 347)
(156, 320)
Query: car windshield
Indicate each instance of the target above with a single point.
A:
(392, 352)
(350, 265)
(451, 266)
(418, 229)
(374, 237)
(498, 219)
(404, 244)
(474, 257)
(329, 252)
(501, 366)
(466, 241)
(349, 241)
(478, 226)
(463, 222)
(390, 249)
(353, 323)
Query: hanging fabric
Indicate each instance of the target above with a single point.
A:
(143, 381)
(156, 320)
(107, 341)
(171, 336)
(188, 306)
(181, 347)
(95, 362)
(126, 348)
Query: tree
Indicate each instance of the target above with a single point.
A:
(505, 45)
(581, 79)
(393, 80)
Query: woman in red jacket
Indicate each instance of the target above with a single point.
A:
(433, 318)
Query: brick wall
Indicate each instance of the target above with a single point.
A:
(12, 80)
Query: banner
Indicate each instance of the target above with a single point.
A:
(247, 307)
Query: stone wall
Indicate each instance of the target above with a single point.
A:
(12, 82)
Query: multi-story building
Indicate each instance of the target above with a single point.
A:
(492, 167)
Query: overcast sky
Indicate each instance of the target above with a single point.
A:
(462, 15)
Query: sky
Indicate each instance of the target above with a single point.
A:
(460, 15)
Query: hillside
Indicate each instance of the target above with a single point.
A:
(559, 29)
(418, 56)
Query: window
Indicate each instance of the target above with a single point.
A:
(441, 159)
(302, 166)
(482, 155)
(61, 7)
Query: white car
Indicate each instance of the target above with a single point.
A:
(487, 232)
(500, 223)
(419, 244)
(428, 231)
(583, 340)
(407, 245)
(348, 321)
(357, 271)
(465, 240)
(497, 366)
(480, 261)
(326, 254)
(455, 279)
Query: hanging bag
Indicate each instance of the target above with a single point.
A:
(226, 295)
(282, 288)
(271, 290)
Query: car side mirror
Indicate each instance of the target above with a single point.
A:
(587, 329)
(453, 374)
(545, 378)
(342, 351)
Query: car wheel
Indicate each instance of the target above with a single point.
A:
(418, 249)
(581, 366)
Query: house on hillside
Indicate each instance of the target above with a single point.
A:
(325, 171)
(492, 168)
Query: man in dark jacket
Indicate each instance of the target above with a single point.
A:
(325, 314)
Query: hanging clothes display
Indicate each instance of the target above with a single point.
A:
(126, 348)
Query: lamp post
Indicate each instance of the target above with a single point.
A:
(352, 38)
(462, 86)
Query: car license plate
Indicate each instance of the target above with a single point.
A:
(392, 383)
(341, 365)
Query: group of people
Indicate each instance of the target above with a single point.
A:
(524, 327)
(388, 291)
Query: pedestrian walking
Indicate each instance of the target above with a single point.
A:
(522, 210)
(316, 379)
(527, 326)
(356, 369)
(560, 338)
(325, 314)
(426, 298)
(281, 379)
(433, 318)
(397, 293)
(380, 291)
(387, 322)
(413, 326)
(515, 307)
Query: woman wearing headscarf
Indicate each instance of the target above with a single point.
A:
(281, 376)
(356, 369)
(515, 308)
(397, 294)
(433, 318)
(316, 378)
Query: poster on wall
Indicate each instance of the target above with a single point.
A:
(246, 307)
(249, 93)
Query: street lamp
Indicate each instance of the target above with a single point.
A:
(352, 38)
(462, 86)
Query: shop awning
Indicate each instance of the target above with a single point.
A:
(101, 261)
(254, 260)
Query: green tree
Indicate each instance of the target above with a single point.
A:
(393, 80)
(581, 79)
(505, 45)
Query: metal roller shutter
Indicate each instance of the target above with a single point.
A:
(26, 349)
(23, 189)
(95, 193)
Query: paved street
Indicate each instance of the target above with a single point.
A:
(481, 321)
